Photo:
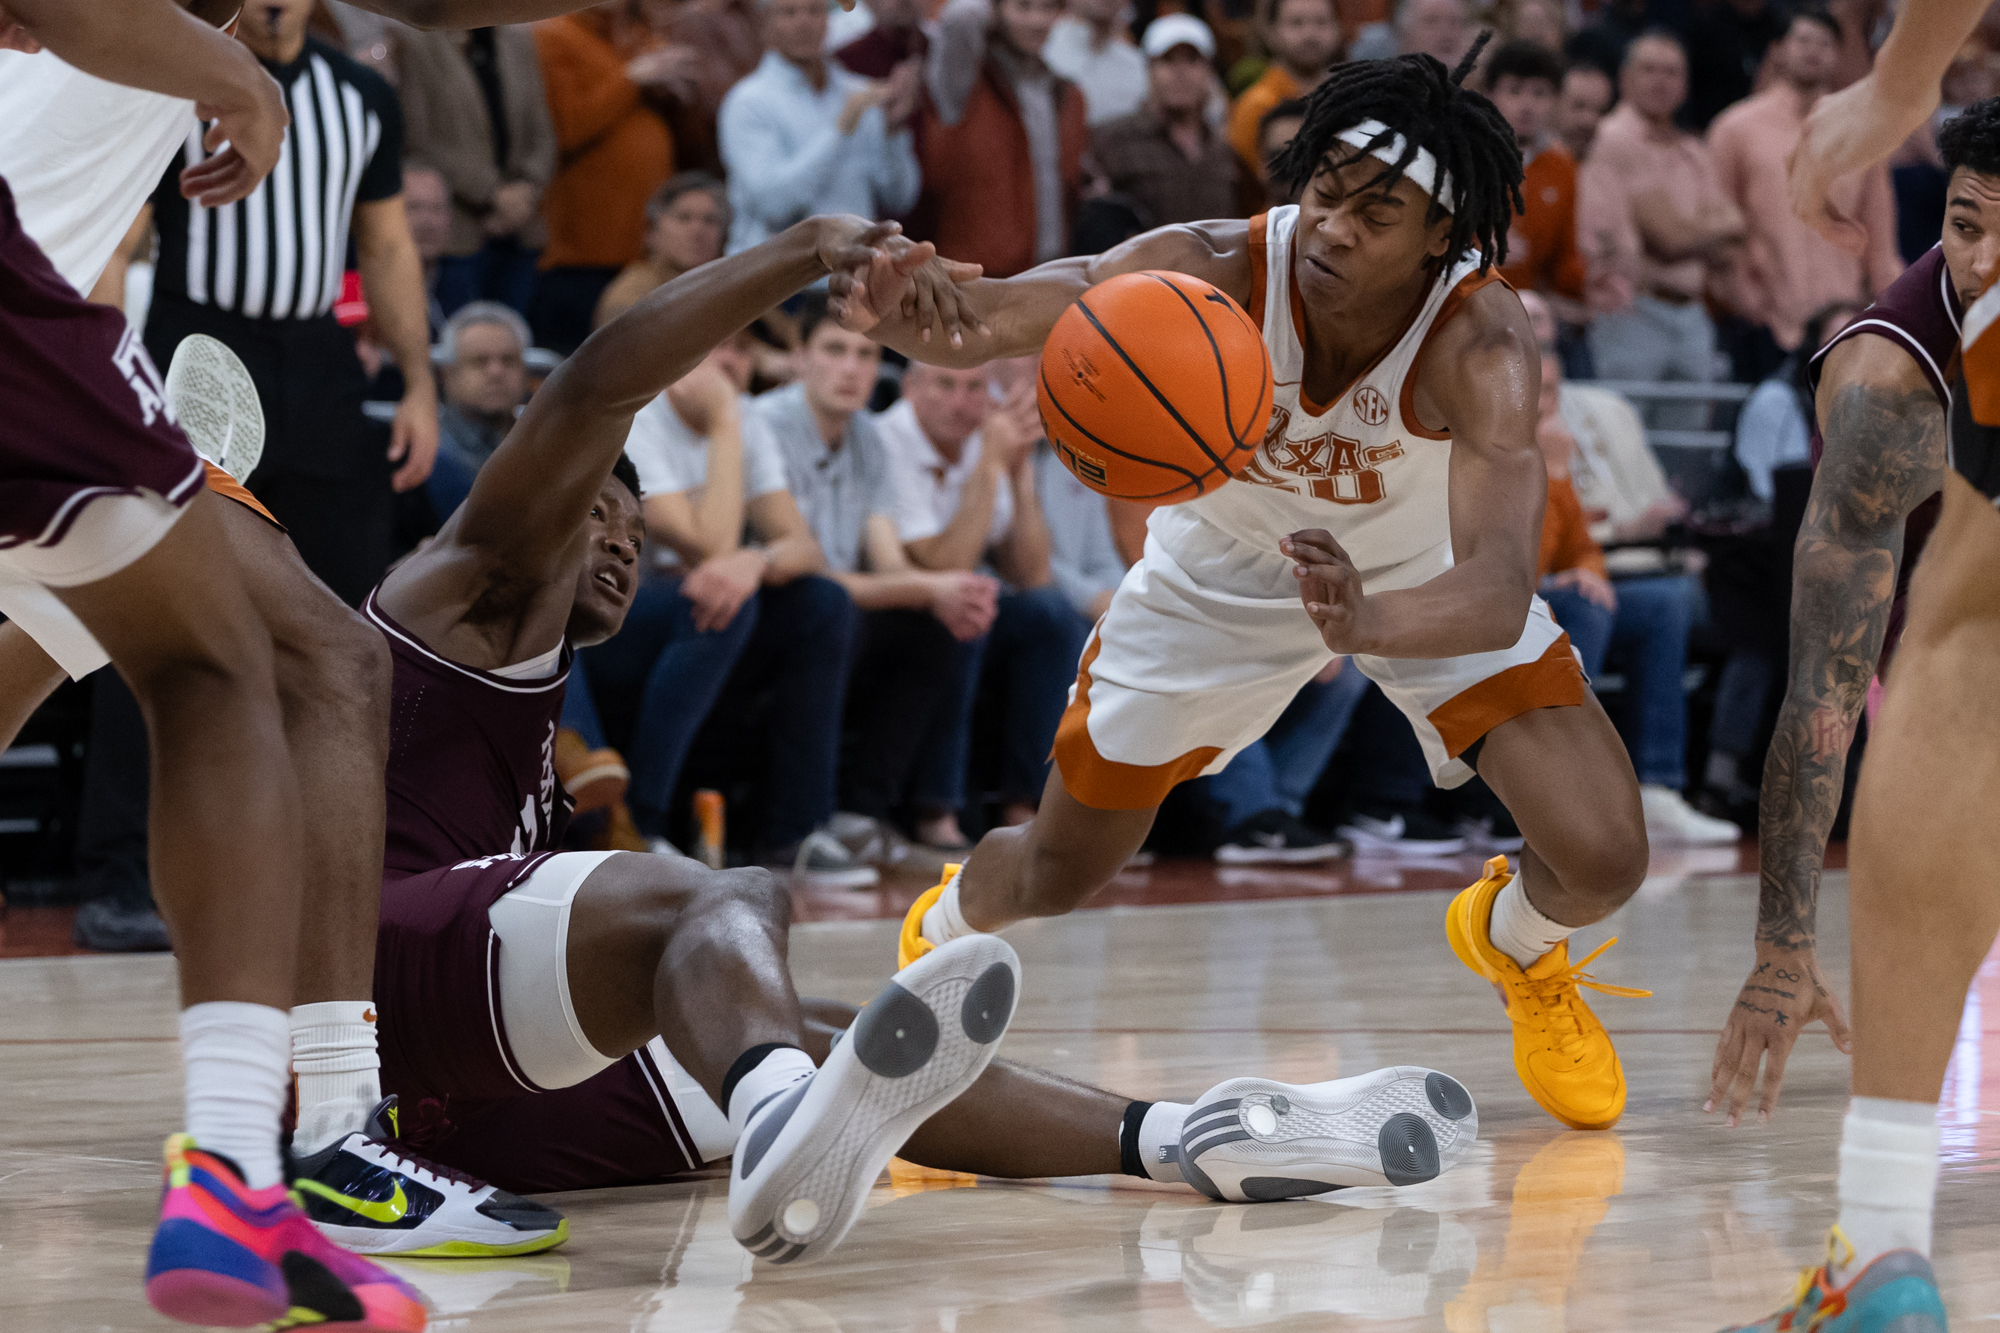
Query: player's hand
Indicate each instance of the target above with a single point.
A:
(1848, 130)
(912, 282)
(1785, 992)
(15, 37)
(251, 120)
(720, 585)
(413, 438)
(702, 397)
(1330, 587)
(966, 603)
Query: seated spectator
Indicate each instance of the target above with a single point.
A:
(1651, 208)
(427, 205)
(1786, 270)
(723, 619)
(485, 378)
(1522, 79)
(1083, 557)
(963, 471)
(1303, 37)
(686, 224)
(616, 150)
(1092, 48)
(1262, 794)
(896, 38)
(474, 108)
(800, 135)
(919, 628)
(1441, 28)
(1648, 618)
(1776, 426)
(1003, 138)
(1586, 95)
(1164, 155)
(1280, 124)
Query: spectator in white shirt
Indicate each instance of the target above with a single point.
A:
(802, 135)
(966, 499)
(1092, 47)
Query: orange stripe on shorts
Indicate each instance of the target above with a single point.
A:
(1106, 784)
(1553, 680)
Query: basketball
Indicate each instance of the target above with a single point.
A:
(1154, 386)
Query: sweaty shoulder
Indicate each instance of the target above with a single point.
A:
(1217, 252)
(1479, 359)
(1878, 359)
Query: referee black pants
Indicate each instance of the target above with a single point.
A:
(325, 473)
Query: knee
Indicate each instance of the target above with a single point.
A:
(1606, 866)
(748, 895)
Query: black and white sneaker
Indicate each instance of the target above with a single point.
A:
(1491, 835)
(823, 861)
(1272, 837)
(809, 1156)
(367, 1195)
(1401, 832)
(1252, 1140)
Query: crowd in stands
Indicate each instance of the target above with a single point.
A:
(869, 583)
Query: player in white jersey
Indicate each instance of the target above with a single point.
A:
(1399, 495)
(1922, 904)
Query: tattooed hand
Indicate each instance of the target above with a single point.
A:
(1784, 994)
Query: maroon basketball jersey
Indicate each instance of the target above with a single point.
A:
(1920, 313)
(471, 758)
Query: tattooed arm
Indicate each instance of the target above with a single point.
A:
(1885, 453)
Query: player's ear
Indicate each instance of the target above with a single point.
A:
(1440, 237)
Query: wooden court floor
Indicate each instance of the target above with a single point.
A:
(1669, 1222)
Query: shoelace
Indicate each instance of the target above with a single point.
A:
(1832, 1300)
(423, 1166)
(1557, 995)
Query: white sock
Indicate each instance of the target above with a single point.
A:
(1159, 1132)
(944, 922)
(338, 1069)
(238, 1060)
(1518, 930)
(1888, 1178)
(772, 1075)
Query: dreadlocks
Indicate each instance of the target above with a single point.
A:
(1416, 97)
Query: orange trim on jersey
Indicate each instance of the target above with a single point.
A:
(1260, 267)
(1553, 680)
(231, 489)
(1106, 784)
(1407, 400)
(1298, 305)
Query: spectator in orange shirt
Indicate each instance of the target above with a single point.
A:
(1304, 38)
(1522, 79)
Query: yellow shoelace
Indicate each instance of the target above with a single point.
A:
(1558, 993)
(1832, 1302)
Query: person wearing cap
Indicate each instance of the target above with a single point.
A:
(1164, 156)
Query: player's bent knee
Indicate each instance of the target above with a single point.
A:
(1609, 864)
(750, 891)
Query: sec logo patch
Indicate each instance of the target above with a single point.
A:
(1371, 406)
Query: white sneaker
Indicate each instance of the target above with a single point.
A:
(808, 1157)
(1251, 1140)
(1400, 834)
(1670, 819)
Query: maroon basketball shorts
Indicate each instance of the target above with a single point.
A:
(464, 1099)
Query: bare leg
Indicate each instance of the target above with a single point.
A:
(224, 841)
(663, 946)
(1049, 865)
(28, 676)
(1015, 1123)
(333, 675)
(1921, 893)
(1565, 777)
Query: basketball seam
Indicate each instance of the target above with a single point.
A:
(1221, 371)
(1158, 397)
(1199, 482)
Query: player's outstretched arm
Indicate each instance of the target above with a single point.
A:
(479, 13)
(1481, 382)
(1885, 452)
(1867, 120)
(157, 46)
(1002, 317)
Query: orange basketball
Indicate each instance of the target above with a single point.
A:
(1154, 386)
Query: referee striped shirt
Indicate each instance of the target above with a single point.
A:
(280, 253)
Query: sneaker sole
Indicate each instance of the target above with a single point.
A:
(1254, 1140)
(419, 1244)
(1289, 856)
(803, 1172)
(1363, 841)
(197, 1289)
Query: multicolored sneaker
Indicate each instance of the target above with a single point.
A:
(1896, 1293)
(229, 1256)
(1562, 1053)
(367, 1195)
(911, 944)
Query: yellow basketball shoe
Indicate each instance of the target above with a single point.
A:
(911, 944)
(1562, 1053)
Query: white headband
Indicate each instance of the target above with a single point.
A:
(1422, 172)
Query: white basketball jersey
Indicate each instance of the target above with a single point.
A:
(1361, 466)
(81, 156)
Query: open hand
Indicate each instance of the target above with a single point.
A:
(1846, 131)
(909, 281)
(1330, 587)
(1785, 993)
